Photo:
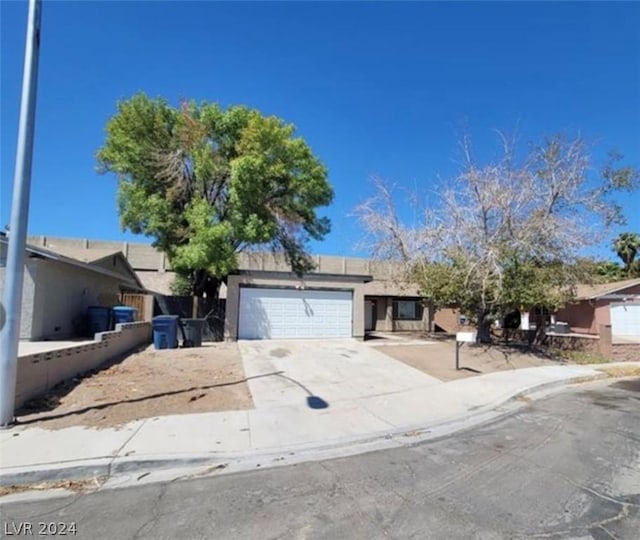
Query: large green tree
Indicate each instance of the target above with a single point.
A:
(206, 182)
(502, 234)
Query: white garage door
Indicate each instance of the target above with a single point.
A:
(291, 313)
(625, 319)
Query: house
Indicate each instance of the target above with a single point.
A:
(343, 296)
(616, 304)
(57, 289)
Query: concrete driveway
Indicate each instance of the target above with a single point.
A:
(623, 340)
(288, 372)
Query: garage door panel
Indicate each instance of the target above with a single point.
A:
(625, 319)
(290, 313)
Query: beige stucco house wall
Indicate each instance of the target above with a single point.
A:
(64, 292)
(29, 307)
(54, 294)
(56, 290)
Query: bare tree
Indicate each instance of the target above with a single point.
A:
(504, 234)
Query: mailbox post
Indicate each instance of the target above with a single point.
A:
(461, 339)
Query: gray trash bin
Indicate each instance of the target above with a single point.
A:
(193, 329)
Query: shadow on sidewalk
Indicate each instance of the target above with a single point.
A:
(43, 405)
(46, 404)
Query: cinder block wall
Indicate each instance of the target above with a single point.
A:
(38, 373)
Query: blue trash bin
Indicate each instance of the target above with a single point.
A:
(165, 331)
(99, 319)
(124, 314)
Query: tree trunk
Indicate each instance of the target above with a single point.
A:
(199, 282)
(484, 327)
(213, 288)
(204, 284)
(539, 334)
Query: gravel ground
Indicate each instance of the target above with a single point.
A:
(146, 384)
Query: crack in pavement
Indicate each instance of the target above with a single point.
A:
(155, 511)
(117, 452)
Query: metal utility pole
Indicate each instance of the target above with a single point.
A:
(12, 302)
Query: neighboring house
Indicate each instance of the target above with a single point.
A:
(58, 289)
(343, 296)
(150, 265)
(616, 304)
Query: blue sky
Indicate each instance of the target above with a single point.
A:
(375, 88)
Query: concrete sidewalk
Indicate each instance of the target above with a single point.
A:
(276, 435)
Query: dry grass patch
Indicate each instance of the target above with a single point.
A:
(583, 357)
(76, 486)
(621, 371)
(438, 359)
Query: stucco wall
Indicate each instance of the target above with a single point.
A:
(38, 373)
(29, 309)
(448, 319)
(160, 282)
(267, 280)
(602, 315)
(384, 314)
(63, 292)
(143, 256)
(412, 326)
(147, 260)
(580, 316)
(384, 321)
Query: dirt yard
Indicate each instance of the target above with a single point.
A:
(438, 358)
(144, 385)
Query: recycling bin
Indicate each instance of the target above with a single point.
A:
(124, 314)
(99, 319)
(165, 331)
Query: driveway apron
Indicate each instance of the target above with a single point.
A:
(318, 373)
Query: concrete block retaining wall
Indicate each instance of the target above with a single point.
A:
(573, 343)
(38, 373)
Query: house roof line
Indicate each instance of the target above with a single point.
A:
(126, 263)
(310, 276)
(46, 254)
(593, 292)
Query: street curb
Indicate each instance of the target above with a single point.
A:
(220, 463)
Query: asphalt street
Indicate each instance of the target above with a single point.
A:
(563, 466)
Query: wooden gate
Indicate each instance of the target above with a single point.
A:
(135, 301)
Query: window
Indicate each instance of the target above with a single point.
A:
(407, 310)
